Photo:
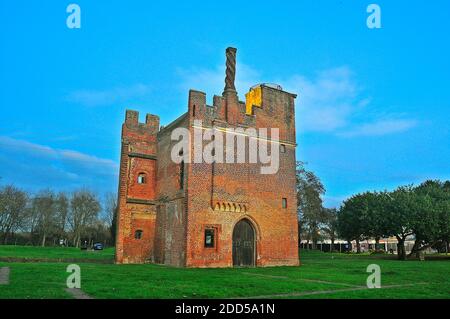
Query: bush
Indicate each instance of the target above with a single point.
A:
(377, 252)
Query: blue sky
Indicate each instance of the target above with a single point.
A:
(372, 112)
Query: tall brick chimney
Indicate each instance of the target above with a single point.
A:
(230, 93)
(231, 71)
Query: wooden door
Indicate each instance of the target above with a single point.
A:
(243, 244)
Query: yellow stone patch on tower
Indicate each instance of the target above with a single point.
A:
(253, 98)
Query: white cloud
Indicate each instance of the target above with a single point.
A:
(110, 96)
(332, 102)
(27, 148)
(381, 127)
(89, 162)
(324, 103)
(328, 102)
(34, 165)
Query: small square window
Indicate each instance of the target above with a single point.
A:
(210, 238)
(282, 148)
(284, 203)
(138, 234)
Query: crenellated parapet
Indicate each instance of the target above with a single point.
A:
(151, 124)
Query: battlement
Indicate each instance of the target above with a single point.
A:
(132, 121)
(255, 97)
(262, 103)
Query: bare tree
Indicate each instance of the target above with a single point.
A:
(84, 209)
(110, 207)
(98, 231)
(32, 220)
(13, 203)
(44, 205)
(111, 212)
(62, 211)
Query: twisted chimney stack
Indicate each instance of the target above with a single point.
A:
(231, 70)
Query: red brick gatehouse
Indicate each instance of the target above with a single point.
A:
(209, 215)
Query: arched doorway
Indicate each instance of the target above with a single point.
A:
(244, 244)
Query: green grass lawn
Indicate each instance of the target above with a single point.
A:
(55, 253)
(333, 275)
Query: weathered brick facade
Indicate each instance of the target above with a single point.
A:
(166, 220)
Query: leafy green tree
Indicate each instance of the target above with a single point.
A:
(330, 224)
(403, 209)
(378, 206)
(368, 211)
(351, 223)
(309, 202)
(422, 211)
(431, 221)
(445, 219)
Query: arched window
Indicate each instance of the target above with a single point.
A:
(138, 234)
(142, 178)
(284, 202)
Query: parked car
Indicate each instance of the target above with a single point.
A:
(98, 246)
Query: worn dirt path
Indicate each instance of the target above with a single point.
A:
(4, 275)
(78, 293)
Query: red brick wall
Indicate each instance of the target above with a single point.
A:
(174, 220)
(136, 202)
(147, 190)
(242, 184)
(170, 239)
